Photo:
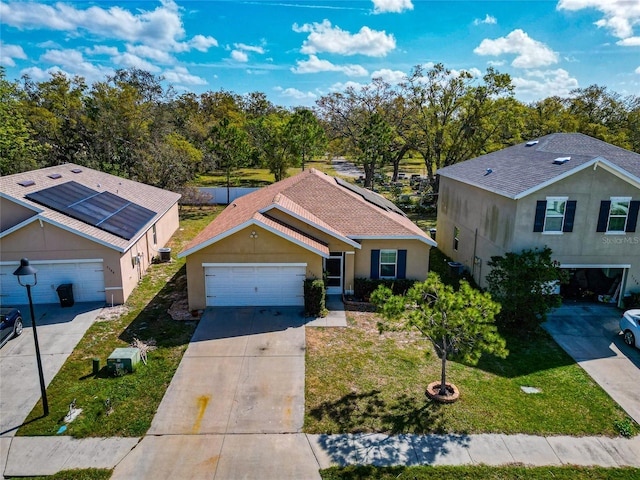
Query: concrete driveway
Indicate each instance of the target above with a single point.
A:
(590, 334)
(238, 389)
(59, 331)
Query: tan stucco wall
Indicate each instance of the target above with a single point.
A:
(485, 220)
(417, 257)
(131, 270)
(507, 225)
(240, 248)
(49, 242)
(12, 214)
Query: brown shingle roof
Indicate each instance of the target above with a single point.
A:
(155, 199)
(317, 198)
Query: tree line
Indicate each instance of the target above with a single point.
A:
(134, 126)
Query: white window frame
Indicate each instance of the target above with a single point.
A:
(626, 217)
(395, 263)
(546, 215)
(154, 232)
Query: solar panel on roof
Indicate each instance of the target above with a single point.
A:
(103, 210)
(371, 197)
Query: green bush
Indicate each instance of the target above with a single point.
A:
(364, 287)
(314, 298)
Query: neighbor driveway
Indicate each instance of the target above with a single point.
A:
(59, 331)
(590, 334)
(238, 389)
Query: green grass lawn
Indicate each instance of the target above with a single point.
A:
(360, 381)
(256, 177)
(479, 472)
(133, 397)
(80, 474)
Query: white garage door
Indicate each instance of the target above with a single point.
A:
(270, 284)
(87, 277)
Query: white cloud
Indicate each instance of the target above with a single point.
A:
(182, 75)
(391, 6)
(295, 94)
(9, 52)
(342, 86)
(530, 53)
(539, 84)
(323, 37)
(152, 53)
(496, 63)
(128, 60)
(315, 65)
(390, 76)
(161, 28)
(202, 43)
(638, 70)
(38, 74)
(101, 50)
(73, 61)
(620, 16)
(239, 56)
(249, 48)
(629, 42)
(488, 19)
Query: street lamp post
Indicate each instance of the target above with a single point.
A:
(25, 270)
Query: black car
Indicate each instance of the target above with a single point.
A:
(10, 324)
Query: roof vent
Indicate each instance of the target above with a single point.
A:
(54, 176)
(561, 160)
(489, 171)
(26, 183)
(76, 170)
(532, 143)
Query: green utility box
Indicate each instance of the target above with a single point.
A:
(123, 359)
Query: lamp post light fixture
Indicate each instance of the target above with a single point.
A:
(23, 273)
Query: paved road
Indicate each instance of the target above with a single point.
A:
(235, 407)
(590, 334)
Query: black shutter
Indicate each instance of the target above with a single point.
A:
(402, 264)
(375, 264)
(541, 209)
(632, 219)
(569, 216)
(603, 216)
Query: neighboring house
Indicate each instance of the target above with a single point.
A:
(568, 191)
(263, 246)
(76, 225)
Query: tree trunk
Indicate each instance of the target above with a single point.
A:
(443, 376)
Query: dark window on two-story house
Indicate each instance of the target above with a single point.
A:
(554, 215)
(456, 238)
(618, 215)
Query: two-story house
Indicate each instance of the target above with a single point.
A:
(573, 193)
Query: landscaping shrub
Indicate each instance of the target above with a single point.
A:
(364, 287)
(314, 298)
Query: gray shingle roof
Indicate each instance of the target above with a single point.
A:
(518, 169)
(155, 199)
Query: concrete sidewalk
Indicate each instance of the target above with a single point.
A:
(301, 456)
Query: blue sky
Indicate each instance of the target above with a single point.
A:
(296, 51)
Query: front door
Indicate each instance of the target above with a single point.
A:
(333, 273)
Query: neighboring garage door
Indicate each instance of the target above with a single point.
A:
(230, 285)
(87, 277)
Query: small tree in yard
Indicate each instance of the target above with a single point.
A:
(523, 283)
(457, 323)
